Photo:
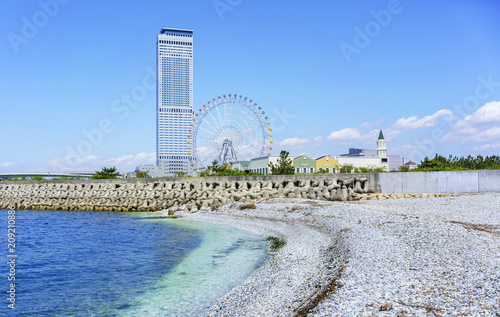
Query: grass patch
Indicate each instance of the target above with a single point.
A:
(274, 244)
(248, 206)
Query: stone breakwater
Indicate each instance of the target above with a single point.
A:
(187, 194)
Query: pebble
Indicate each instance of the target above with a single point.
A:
(431, 256)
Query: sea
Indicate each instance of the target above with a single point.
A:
(78, 263)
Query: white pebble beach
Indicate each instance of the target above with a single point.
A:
(398, 257)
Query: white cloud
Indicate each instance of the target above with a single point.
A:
(92, 163)
(451, 136)
(490, 112)
(301, 131)
(427, 121)
(319, 138)
(486, 147)
(350, 136)
(370, 125)
(7, 167)
(72, 163)
(347, 133)
(411, 149)
(294, 142)
(492, 134)
(480, 126)
(391, 133)
(128, 163)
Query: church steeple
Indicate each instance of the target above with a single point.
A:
(381, 147)
(381, 135)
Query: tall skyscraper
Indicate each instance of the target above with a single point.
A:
(174, 101)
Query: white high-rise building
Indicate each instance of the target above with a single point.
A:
(174, 101)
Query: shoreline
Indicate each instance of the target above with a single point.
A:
(291, 274)
(411, 257)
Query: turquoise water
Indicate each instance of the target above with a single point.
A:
(123, 264)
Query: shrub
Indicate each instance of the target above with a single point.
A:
(274, 244)
(247, 206)
(284, 166)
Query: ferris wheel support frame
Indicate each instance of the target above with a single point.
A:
(214, 114)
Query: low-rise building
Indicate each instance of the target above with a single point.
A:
(369, 162)
(240, 165)
(304, 165)
(153, 170)
(261, 164)
(411, 165)
(394, 161)
(327, 163)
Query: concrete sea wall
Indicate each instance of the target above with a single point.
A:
(198, 193)
(440, 182)
(191, 193)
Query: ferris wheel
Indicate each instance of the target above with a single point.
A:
(228, 129)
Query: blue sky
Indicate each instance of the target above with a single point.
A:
(328, 73)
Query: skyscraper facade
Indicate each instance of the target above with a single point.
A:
(174, 101)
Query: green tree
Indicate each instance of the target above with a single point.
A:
(65, 178)
(284, 166)
(221, 170)
(403, 169)
(347, 168)
(321, 171)
(37, 178)
(364, 170)
(216, 169)
(378, 170)
(180, 174)
(440, 163)
(203, 174)
(142, 174)
(106, 173)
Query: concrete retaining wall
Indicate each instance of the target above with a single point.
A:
(440, 182)
(489, 181)
(197, 193)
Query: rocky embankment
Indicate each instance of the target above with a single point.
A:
(192, 194)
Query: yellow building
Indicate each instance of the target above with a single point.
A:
(328, 164)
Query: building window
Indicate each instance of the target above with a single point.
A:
(304, 169)
(311, 170)
(297, 170)
(384, 160)
(328, 170)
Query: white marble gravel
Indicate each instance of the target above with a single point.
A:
(423, 255)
